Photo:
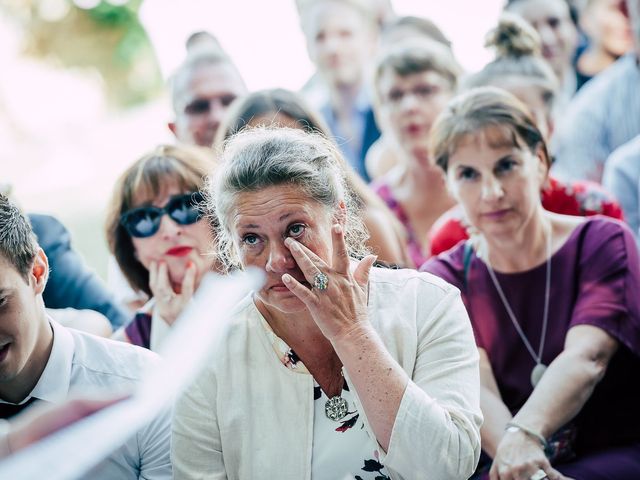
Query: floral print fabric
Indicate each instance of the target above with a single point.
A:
(340, 448)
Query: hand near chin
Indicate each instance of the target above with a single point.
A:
(169, 303)
(337, 299)
(519, 457)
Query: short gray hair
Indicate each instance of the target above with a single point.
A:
(263, 157)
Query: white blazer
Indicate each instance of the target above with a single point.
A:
(248, 416)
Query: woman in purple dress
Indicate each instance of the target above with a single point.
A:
(553, 300)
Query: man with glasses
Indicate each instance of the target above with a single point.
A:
(41, 361)
(203, 87)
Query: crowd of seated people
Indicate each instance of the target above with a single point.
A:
(451, 270)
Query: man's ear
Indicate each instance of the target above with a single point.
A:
(172, 127)
(40, 271)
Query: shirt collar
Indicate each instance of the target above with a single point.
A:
(53, 385)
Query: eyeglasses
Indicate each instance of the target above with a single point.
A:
(421, 92)
(201, 106)
(143, 222)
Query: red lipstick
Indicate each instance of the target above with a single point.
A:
(179, 251)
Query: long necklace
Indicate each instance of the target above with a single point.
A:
(540, 368)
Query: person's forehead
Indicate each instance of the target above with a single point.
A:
(8, 275)
(389, 78)
(210, 81)
(493, 140)
(144, 195)
(538, 10)
(332, 14)
(273, 200)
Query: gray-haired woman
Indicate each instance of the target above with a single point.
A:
(332, 369)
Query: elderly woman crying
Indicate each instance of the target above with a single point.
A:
(333, 368)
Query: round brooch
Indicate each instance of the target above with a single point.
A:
(336, 408)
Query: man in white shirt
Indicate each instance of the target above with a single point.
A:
(41, 361)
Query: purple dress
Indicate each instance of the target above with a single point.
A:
(595, 281)
(139, 330)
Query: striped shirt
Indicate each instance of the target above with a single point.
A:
(604, 115)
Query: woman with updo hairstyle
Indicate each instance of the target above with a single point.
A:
(158, 234)
(284, 108)
(554, 20)
(332, 369)
(553, 301)
(520, 69)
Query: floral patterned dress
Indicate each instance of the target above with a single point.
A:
(340, 449)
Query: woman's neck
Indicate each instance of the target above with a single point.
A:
(520, 250)
(594, 60)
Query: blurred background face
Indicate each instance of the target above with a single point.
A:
(204, 99)
(633, 7)
(339, 41)
(552, 20)
(409, 105)
(606, 26)
(175, 244)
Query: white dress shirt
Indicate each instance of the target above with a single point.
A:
(80, 362)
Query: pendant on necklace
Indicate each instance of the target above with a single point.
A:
(336, 408)
(537, 373)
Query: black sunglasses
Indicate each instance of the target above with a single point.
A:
(143, 222)
(200, 106)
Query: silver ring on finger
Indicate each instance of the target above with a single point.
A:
(321, 281)
(539, 475)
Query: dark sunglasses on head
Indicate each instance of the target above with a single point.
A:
(144, 222)
(200, 106)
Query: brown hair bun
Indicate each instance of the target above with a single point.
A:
(513, 37)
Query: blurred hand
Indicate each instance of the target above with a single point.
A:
(44, 420)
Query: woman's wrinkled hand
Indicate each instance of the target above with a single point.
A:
(519, 457)
(169, 303)
(341, 308)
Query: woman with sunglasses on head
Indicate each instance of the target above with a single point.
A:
(553, 301)
(157, 233)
